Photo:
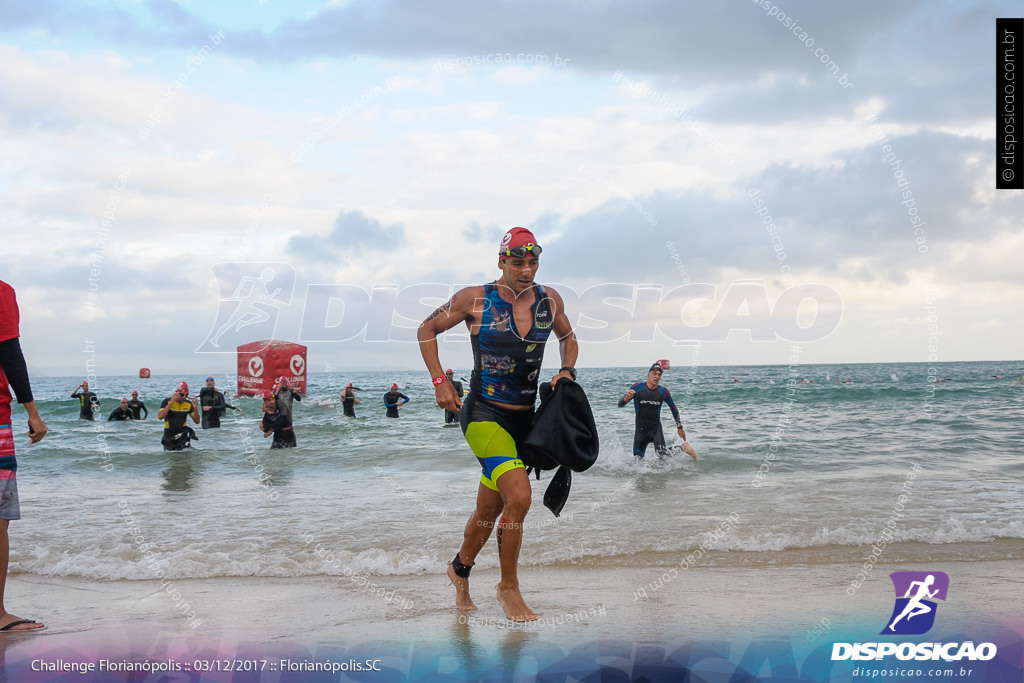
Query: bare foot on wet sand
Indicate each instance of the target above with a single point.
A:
(462, 599)
(514, 605)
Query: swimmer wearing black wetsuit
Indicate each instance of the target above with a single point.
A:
(88, 401)
(285, 395)
(647, 398)
(175, 412)
(138, 407)
(349, 401)
(277, 422)
(213, 405)
(122, 412)
(391, 400)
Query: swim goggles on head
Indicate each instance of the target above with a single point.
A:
(521, 251)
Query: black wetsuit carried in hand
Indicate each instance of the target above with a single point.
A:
(391, 402)
(87, 400)
(281, 424)
(177, 433)
(137, 408)
(449, 416)
(648, 402)
(210, 397)
(119, 413)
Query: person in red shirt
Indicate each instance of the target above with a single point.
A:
(13, 374)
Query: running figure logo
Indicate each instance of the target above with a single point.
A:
(257, 292)
(914, 612)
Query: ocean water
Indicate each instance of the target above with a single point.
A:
(835, 455)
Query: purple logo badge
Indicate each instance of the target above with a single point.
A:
(914, 612)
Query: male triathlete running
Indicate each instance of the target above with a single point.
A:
(509, 321)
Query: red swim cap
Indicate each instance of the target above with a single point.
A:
(516, 237)
(449, 372)
(183, 387)
(394, 386)
(349, 385)
(267, 393)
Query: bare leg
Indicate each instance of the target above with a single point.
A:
(5, 617)
(478, 530)
(514, 487)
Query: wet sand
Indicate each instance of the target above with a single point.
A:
(576, 603)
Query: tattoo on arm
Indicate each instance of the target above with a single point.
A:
(442, 309)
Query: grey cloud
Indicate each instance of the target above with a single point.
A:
(693, 42)
(850, 208)
(351, 231)
(70, 271)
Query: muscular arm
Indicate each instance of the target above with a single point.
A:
(460, 308)
(568, 347)
(164, 409)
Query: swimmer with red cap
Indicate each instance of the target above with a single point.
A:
(277, 422)
(175, 411)
(138, 407)
(349, 401)
(121, 413)
(393, 399)
(509, 322)
(89, 403)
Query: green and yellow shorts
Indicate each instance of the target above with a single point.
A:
(494, 433)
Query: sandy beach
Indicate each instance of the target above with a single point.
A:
(264, 618)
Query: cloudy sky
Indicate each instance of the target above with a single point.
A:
(683, 164)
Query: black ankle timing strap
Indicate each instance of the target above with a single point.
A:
(461, 570)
